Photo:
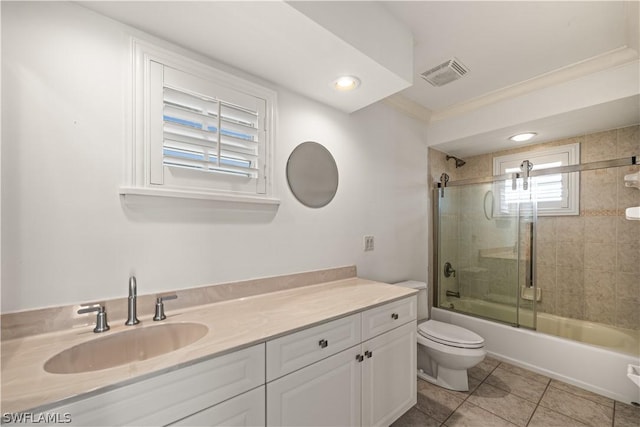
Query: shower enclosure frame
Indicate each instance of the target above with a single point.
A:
(530, 268)
(440, 186)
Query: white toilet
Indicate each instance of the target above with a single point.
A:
(445, 351)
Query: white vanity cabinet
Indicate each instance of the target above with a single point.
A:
(352, 371)
(176, 395)
(370, 383)
(389, 375)
(389, 367)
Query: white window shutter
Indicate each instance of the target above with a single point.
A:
(555, 194)
(206, 129)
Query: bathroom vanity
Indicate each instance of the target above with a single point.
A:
(337, 353)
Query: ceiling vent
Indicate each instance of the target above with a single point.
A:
(445, 73)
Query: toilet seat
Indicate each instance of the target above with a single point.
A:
(450, 335)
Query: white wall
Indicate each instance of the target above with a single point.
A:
(66, 235)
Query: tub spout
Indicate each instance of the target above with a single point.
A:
(453, 294)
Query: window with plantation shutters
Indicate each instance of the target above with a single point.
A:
(208, 134)
(555, 194)
(203, 133)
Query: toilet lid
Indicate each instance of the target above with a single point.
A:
(447, 334)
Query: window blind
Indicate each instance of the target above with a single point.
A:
(209, 134)
(555, 194)
(548, 190)
(205, 134)
(198, 131)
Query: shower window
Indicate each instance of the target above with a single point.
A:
(556, 194)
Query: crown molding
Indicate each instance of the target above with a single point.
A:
(592, 65)
(408, 107)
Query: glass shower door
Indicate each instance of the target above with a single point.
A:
(484, 235)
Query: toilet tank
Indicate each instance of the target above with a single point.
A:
(423, 306)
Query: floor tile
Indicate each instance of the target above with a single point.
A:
(525, 373)
(484, 368)
(544, 417)
(582, 393)
(415, 418)
(435, 401)
(470, 415)
(501, 394)
(577, 407)
(626, 415)
(517, 384)
(504, 404)
(473, 385)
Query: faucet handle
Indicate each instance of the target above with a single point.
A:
(160, 306)
(101, 317)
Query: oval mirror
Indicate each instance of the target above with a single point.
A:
(312, 174)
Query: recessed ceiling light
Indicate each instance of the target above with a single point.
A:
(345, 83)
(521, 137)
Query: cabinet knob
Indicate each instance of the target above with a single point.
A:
(368, 354)
(359, 357)
(323, 343)
(394, 316)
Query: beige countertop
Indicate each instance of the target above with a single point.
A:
(232, 324)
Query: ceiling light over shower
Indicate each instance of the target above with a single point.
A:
(521, 137)
(346, 83)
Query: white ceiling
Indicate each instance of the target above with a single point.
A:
(504, 43)
(295, 46)
(566, 68)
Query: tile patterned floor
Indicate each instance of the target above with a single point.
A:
(501, 394)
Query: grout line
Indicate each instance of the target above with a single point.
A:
(467, 396)
(457, 407)
(539, 400)
(613, 415)
(548, 386)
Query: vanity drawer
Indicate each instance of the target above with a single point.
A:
(169, 397)
(297, 350)
(384, 318)
(248, 409)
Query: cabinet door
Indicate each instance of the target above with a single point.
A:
(326, 393)
(389, 376)
(248, 409)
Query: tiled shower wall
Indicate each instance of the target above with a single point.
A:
(588, 266)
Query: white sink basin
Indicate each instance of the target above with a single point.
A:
(125, 347)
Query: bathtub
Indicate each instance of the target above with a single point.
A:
(598, 363)
(617, 339)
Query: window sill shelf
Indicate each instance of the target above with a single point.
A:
(133, 194)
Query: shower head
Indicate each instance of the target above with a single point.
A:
(459, 162)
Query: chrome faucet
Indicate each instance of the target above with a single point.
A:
(132, 319)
